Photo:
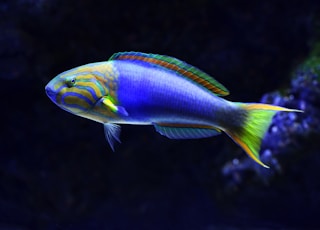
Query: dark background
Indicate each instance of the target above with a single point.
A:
(58, 172)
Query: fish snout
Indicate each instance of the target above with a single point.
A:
(51, 93)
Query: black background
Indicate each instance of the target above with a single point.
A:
(58, 172)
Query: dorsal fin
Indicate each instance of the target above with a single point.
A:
(178, 66)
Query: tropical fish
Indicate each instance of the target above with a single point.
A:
(178, 99)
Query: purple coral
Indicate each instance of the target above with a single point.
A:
(289, 134)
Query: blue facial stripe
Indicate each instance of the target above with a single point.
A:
(90, 90)
(73, 94)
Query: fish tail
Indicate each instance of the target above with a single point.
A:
(258, 118)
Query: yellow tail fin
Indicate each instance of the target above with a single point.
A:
(256, 124)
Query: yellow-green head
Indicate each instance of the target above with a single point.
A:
(80, 89)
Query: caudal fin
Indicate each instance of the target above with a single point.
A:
(257, 122)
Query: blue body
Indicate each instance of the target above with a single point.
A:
(153, 95)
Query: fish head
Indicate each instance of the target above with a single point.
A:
(77, 90)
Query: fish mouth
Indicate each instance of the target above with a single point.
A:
(54, 97)
(50, 93)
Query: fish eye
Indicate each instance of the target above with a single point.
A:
(71, 81)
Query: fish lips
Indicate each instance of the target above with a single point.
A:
(52, 94)
(54, 97)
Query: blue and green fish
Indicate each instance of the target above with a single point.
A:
(178, 99)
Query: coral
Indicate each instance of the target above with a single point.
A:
(289, 134)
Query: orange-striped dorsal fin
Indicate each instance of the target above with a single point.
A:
(183, 69)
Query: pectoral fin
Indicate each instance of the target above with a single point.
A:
(112, 133)
(186, 131)
(114, 108)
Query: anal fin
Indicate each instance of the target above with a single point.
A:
(186, 131)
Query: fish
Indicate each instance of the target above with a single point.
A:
(178, 99)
